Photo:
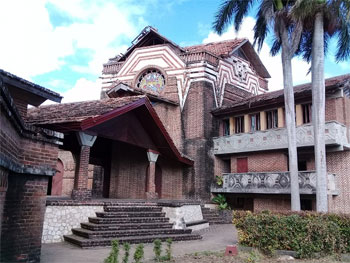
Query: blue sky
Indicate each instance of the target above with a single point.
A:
(62, 44)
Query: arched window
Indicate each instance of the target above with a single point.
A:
(152, 80)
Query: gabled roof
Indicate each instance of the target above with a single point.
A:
(41, 94)
(76, 111)
(120, 89)
(148, 36)
(89, 115)
(225, 48)
(300, 92)
(220, 49)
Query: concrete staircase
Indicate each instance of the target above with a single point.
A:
(132, 223)
(212, 216)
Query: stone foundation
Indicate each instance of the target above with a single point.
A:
(59, 220)
(179, 216)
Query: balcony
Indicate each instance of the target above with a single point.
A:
(270, 183)
(335, 135)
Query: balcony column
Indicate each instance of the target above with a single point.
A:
(80, 190)
(151, 184)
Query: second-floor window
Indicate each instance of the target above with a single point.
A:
(226, 127)
(239, 124)
(271, 119)
(255, 122)
(307, 113)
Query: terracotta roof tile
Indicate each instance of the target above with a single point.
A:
(222, 48)
(265, 98)
(76, 111)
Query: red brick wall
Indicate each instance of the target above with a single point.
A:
(128, 172)
(335, 110)
(22, 106)
(69, 170)
(37, 153)
(171, 179)
(273, 204)
(199, 127)
(170, 92)
(24, 150)
(23, 218)
(263, 162)
(170, 116)
(9, 140)
(339, 164)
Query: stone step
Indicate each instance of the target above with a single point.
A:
(125, 226)
(216, 222)
(140, 203)
(212, 217)
(127, 233)
(103, 242)
(132, 209)
(101, 220)
(129, 214)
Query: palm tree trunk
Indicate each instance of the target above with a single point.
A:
(290, 121)
(318, 113)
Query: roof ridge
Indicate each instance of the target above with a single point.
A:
(216, 42)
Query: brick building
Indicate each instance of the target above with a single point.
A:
(171, 118)
(251, 151)
(28, 157)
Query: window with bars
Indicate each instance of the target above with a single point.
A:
(239, 124)
(271, 119)
(255, 122)
(307, 113)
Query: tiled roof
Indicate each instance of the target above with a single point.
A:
(220, 49)
(265, 98)
(76, 111)
(43, 91)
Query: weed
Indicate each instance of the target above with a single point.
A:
(126, 247)
(113, 255)
(139, 253)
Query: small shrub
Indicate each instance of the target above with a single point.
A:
(113, 255)
(139, 253)
(306, 233)
(219, 180)
(221, 201)
(157, 249)
(126, 247)
(168, 252)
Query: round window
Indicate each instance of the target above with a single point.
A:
(152, 80)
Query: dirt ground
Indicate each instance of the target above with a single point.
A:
(243, 257)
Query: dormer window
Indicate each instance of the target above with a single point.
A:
(152, 80)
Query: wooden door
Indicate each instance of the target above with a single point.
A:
(242, 165)
(57, 179)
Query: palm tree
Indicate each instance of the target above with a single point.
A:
(322, 20)
(275, 15)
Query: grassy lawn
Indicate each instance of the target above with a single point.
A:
(243, 257)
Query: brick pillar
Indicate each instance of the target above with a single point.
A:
(80, 190)
(151, 184)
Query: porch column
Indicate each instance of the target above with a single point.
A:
(80, 190)
(151, 184)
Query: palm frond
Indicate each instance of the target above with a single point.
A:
(265, 18)
(230, 10)
(343, 45)
(276, 47)
(343, 32)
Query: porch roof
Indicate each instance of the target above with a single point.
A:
(100, 117)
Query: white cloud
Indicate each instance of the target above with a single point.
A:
(32, 45)
(273, 64)
(83, 90)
